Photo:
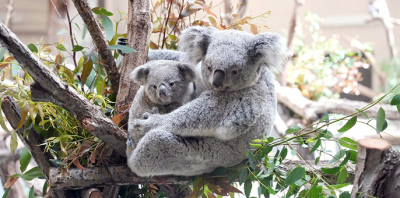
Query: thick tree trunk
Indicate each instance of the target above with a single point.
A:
(139, 26)
(377, 170)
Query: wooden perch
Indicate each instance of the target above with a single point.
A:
(139, 26)
(76, 178)
(101, 43)
(31, 140)
(49, 88)
(312, 110)
(377, 170)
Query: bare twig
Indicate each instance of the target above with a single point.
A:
(9, 12)
(102, 46)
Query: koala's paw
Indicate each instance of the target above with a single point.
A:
(121, 41)
(130, 144)
(149, 122)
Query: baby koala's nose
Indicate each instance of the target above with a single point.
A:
(162, 92)
(218, 79)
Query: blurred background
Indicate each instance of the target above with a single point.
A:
(343, 54)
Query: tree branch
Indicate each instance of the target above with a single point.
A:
(312, 110)
(47, 83)
(139, 26)
(101, 43)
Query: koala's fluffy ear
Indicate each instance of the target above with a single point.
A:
(194, 41)
(270, 50)
(186, 71)
(139, 74)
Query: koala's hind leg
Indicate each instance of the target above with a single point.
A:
(162, 153)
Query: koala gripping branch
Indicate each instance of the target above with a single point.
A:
(49, 88)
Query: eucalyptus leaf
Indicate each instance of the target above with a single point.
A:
(108, 27)
(247, 188)
(380, 120)
(337, 156)
(295, 175)
(124, 49)
(251, 160)
(314, 192)
(25, 158)
(349, 124)
(292, 129)
(345, 195)
(343, 175)
(348, 143)
(330, 171)
(33, 48)
(317, 144)
(395, 100)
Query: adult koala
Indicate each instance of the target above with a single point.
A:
(214, 129)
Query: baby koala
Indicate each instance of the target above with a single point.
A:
(165, 85)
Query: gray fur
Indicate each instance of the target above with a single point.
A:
(214, 129)
(159, 73)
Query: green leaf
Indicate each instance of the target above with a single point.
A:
(243, 176)
(363, 113)
(77, 48)
(87, 68)
(342, 176)
(60, 46)
(398, 108)
(3, 124)
(251, 160)
(295, 175)
(337, 186)
(353, 156)
(45, 185)
(101, 11)
(314, 192)
(6, 193)
(247, 188)
(395, 100)
(348, 143)
(31, 192)
(2, 52)
(292, 129)
(33, 48)
(84, 32)
(108, 27)
(315, 146)
(124, 49)
(345, 195)
(266, 150)
(13, 144)
(349, 124)
(293, 190)
(346, 159)
(380, 120)
(25, 158)
(30, 174)
(317, 160)
(330, 171)
(337, 156)
(284, 153)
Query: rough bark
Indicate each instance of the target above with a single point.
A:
(93, 28)
(138, 35)
(49, 88)
(312, 110)
(76, 178)
(31, 140)
(377, 170)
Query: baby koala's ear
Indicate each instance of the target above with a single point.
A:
(139, 74)
(269, 49)
(186, 71)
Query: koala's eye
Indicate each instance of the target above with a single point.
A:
(171, 84)
(154, 87)
(209, 68)
(234, 72)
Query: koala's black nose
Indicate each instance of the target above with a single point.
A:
(218, 79)
(162, 91)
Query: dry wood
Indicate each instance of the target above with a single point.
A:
(101, 43)
(377, 170)
(312, 110)
(76, 178)
(31, 140)
(139, 26)
(49, 88)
